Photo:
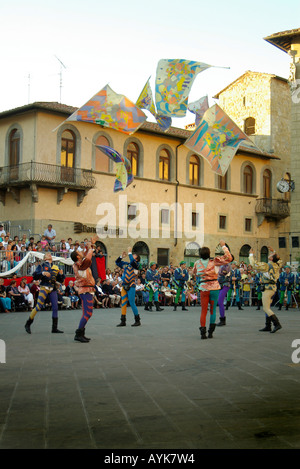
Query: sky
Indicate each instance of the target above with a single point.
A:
(120, 43)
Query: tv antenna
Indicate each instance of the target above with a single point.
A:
(62, 66)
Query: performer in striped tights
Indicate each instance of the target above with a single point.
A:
(48, 275)
(128, 286)
(85, 283)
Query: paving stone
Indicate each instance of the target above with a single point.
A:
(158, 386)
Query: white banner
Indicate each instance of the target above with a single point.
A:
(39, 255)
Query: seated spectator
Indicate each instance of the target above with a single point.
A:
(168, 293)
(108, 275)
(107, 290)
(24, 289)
(139, 288)
(14, 294)
(71, 293)
(4, 299)
(117, 292)
(100, 296)
(165, 275)
(34, 289)
(191, 295)
(66, 300)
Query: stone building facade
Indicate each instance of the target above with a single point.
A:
(174, 205)
(289, 42)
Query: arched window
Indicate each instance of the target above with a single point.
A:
(248, 180)
(164, 165)
(267, 183)
(14, 153)
(191, 254)
(133, 157)
(68, 141)
(101, 160)
(194, 170)
(249, 126)
(244, 253)
(264, 254)
(67, 156)
(14, 147)
(142, 250)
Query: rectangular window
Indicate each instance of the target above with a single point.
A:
(248, 224)
(222, 182)
(164, 216)
(222, 222)
(162, 256)
(131, 212)
(195, 219)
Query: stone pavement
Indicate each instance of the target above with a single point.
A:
(156, 386)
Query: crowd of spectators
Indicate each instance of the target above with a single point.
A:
(107, 290)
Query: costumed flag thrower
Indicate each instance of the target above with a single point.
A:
(145, 101)
(217, 139)
(110, 109)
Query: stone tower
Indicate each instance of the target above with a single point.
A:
(289, 42)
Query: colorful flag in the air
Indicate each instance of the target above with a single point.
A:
(174, 79)
(198, 108)
(124, 175)
(164, 122)
(216, 139)
(110, 109)
(146, 101)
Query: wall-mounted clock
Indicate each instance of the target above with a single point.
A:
(283, 186)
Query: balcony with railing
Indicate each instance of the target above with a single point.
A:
(272, 209)
(34, 175)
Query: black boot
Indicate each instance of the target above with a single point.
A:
(158, 308)
(27, 325)
(222, 321)
(259, 304)
(276, 323)
(175, 307)
(137, 321)
(183, 306)
(148, 306)
(279, 307)
(54, 326)
(239, 305)
(84, 335)
(79, 336)
(286, 307)
(227, 305)
(267, 327)
(211, 330)
(203, 332)
(123, 321)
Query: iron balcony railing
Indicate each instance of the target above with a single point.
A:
(272, 208)
(46, 175)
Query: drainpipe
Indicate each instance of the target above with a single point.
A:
(176, 192)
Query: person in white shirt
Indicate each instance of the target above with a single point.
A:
(50, 234)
